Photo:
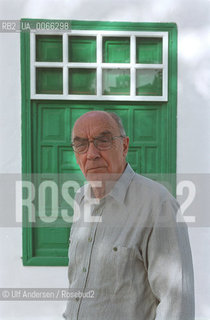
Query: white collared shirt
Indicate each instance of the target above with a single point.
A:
(136, 263)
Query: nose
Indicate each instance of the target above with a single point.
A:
(92, 152)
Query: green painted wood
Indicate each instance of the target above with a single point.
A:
(49, 80)
(49, 48)
(27, 246)
(46, 261)
(116, 50)
(47, 125)
(82, 49)
(149, 50)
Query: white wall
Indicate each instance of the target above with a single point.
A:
(193, 144)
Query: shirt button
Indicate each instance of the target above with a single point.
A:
(89, 239)
(115, 248)
(84, 269)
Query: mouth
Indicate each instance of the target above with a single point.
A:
(96, 169)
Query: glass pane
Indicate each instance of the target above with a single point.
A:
(82, 49)
(149, 50)
(49, 80)
(82, 81)
(116, 50)
(49, 48)
(149, 82)
(116, 82)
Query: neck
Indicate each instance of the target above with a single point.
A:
(101, 188)
(101, 185)
(99, 193)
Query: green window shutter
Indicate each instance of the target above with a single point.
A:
(67, 74)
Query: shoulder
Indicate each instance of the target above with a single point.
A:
(149, 188)
(152, 201)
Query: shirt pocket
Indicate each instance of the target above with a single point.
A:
(112, 269)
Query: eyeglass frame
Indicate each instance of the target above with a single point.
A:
(94, 141)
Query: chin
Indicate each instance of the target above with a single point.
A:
(101, 176)
(96, 176)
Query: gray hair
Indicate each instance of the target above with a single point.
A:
(118, 120)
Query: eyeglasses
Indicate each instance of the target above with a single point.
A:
(101, 143)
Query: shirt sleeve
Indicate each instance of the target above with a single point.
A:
(169, 265)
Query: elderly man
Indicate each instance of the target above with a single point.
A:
(132, 260)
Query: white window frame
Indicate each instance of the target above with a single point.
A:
(99, 66)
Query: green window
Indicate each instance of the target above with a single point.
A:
(127, 68)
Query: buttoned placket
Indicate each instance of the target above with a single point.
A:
(85, 270)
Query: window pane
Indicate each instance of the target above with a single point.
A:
(116, 82)
(82, 81)
(49, 80)
(49, 48)
(149, 50)
(149, 82)
(116, 50)
(82, 49)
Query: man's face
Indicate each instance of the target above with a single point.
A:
(97, 164)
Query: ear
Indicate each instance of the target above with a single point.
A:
(125, 146)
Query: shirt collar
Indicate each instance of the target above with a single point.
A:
(119, 190)
(121, 186)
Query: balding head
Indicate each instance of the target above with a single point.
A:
(101, 115)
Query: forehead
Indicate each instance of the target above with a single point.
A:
(91, 125)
